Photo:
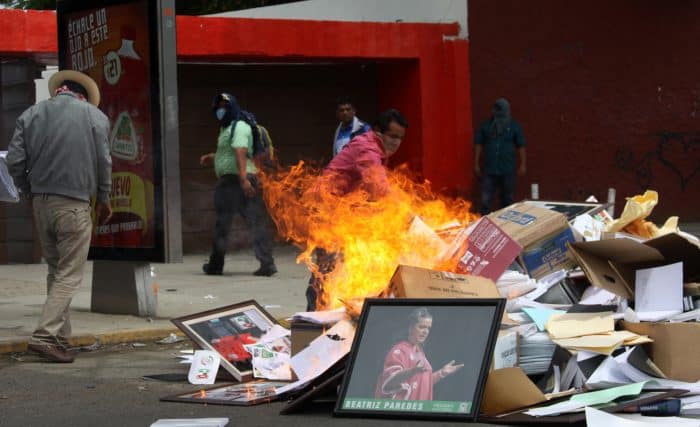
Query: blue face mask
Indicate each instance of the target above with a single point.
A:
(220, 113)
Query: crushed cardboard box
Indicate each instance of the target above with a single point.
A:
(676, 347)
(611, 264)
(543, 234)
(417, 282)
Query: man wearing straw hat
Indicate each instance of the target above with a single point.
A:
(59, 155)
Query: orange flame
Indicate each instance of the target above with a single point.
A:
(372, 237)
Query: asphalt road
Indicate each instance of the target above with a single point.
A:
(105, 388)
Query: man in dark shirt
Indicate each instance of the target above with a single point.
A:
(499, 137)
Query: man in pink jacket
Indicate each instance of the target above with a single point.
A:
(360, 165)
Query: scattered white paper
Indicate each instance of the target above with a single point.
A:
(658, 292)
(273, 334)
(328, 317)
(598, 418)
(191, 422)
(594, 295)
(324, 351)
(205, 365)
(588, 227)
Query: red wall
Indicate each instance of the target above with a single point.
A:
(420, 73)
(607, 92)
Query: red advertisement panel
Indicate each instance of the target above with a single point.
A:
(112, 45)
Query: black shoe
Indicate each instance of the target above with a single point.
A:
(212, 270)
(266, 270)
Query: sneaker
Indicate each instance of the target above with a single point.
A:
(212, 270)
(266, 270)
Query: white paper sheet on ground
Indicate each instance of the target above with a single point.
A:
(324, 351)
(328, 317)
(205, 365)
(607, 374)
(594, 295)
(191, 422)
(588, 227)
(274, 333)
(598, 418)
(545, 283)
(658, 292)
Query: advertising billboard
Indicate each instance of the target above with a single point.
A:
(127, 47)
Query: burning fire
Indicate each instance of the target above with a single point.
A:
(372, 237)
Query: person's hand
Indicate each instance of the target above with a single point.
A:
(247, 187)
(416, 369)
(477, 171)
(450, 369)
(206, 160)
(522, 170)
(103, 212)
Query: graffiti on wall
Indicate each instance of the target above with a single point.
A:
(677, 152)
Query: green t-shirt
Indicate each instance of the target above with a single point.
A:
(225, 158)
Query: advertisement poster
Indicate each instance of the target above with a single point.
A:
(112, 45)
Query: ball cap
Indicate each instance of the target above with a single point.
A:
(84, 80)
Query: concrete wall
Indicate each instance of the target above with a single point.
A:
(607, 92)
(434, 11)
(18, 242)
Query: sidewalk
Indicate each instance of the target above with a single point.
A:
(183, 289)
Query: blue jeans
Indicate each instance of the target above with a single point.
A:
(492, 183)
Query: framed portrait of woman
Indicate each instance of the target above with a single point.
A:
(420, 358)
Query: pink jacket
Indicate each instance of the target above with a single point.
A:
(360, 164)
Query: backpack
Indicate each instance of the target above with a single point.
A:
(263, 152)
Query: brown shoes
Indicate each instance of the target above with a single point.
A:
(51, 352)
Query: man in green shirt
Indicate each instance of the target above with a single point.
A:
(238, 189)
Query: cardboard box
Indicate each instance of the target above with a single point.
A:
(416, 282)
(611, 264)
(543, 234)
(528, 224)
(548, 255)
(676, 347)
(489, 251)
(302, 333)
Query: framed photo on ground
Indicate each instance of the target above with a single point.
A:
(420, 358)
(226, 330)
(242, 394)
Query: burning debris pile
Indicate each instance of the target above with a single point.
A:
(370, 237)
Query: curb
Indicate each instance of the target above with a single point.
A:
(116, 337)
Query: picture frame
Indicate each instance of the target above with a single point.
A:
(238, 394)
(420, 358)
(225, 330)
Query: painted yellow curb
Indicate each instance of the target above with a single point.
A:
(116, 337)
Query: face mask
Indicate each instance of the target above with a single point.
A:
(220, 113)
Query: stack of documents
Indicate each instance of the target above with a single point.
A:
(536, 353)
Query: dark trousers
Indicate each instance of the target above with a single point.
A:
(230, 199)
(490, 184)
(325, 261)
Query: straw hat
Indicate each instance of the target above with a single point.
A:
(84, 80)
